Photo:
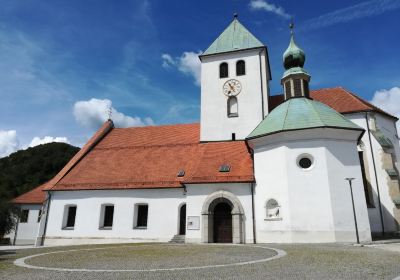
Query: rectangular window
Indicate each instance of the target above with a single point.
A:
(297, 87)
(108, 216)
(39, 216)
(142, 213)
(71, 217)
(24, 216)
(367, 186)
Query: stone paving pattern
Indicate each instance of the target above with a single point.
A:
(331, 261)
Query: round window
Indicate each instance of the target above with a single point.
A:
(305, 161)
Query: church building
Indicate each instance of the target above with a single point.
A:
(306, 166)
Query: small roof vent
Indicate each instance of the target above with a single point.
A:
(225, 168)
(181, 173)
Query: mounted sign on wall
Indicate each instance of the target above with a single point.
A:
(193, 222)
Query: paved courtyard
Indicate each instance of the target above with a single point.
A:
(168, 261)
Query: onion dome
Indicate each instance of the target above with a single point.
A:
(293, 56)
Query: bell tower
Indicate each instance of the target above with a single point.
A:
(295, 79)
(235, 77)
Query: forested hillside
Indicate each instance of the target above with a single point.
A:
(26, 169)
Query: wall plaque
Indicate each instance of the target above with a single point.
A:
(193, 222)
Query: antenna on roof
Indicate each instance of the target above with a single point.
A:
(109, 112)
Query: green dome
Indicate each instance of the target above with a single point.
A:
(301, 113)
(293, 56)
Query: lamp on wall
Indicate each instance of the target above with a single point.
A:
(354, 209)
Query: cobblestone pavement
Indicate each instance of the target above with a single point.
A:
(331, 261)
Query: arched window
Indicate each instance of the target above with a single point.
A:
(223, 70)
(232, 107)
(240, 68)
(272, 209)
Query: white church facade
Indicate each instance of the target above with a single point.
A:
(256, 169)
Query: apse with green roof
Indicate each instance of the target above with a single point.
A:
(298, 114)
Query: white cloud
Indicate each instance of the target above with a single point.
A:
(357, 11)
(188, 63)
(389, 101)
(8, 142)
(269, 7)
(47, 139)
(94, 112)
(168, 61)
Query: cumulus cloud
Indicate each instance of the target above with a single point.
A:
(8, 142)
(94, 112)
(188, 63)
(389, 101)
(47, 139)
(268, 7)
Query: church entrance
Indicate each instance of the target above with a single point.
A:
(182, 220)
(222, 223)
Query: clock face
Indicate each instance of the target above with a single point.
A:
(232, 87)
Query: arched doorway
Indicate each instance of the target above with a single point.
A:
(222, 223)
(182, 220)
(227, 209)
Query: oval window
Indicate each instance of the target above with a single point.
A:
(305, 161)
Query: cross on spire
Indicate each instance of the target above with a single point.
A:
(291, 26)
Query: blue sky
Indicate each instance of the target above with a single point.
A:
(63, 63)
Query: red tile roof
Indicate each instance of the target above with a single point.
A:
(150, 157)
(337, 98)
(35, 196)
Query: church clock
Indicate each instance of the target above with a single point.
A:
(232, 87)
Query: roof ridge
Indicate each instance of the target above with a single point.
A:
(93, 141)
(147, 146)
(316, 113)
(161, 125)
(366, 103)
(285, 118)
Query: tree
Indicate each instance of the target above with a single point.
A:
(26, 169)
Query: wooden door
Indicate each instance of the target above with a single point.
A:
(222, 223)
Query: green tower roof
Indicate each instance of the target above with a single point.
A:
(301, 113)
(235, 37)
(293, 56)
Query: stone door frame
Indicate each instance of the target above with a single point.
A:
(207, 213)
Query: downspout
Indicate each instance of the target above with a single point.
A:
(252, 213)
(47, 218)
(261, 82)
(252, 186)
(16, 227)
(376, 176)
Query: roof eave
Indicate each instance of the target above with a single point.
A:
(298, 129)
(233, 51)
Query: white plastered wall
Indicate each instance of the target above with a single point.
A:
(162, 223)
(197, 195)
(388, 127)
(27, 232)
(315, 204)
(252, 101)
